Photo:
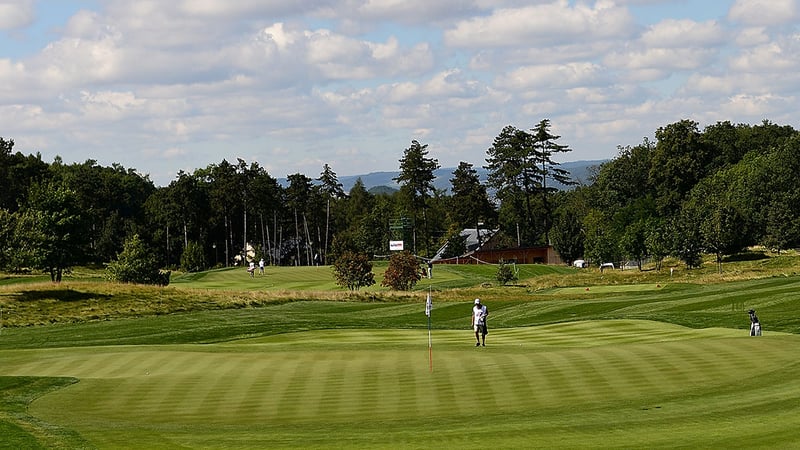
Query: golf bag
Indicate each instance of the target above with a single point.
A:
(755, 324)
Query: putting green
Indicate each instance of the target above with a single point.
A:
(635, 383)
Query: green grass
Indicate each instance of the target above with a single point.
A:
(219, 360)
(629, 383)
(19, 428)
(320, 278)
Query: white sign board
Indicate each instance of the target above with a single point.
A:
(396, 245)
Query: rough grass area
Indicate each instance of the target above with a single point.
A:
(84, 296)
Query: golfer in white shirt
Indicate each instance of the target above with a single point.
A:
(479, 314)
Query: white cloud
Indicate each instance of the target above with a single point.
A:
(16, 14)
(165, 85)
(550, 76)
(661, 61)
(544, 24)
(673, 33)
(174, 152)
(110, 106)
(276, 34)
(748, 37)
(770, 57)
(417, 11)
(750, 105)
(216, 9)
(764, 12)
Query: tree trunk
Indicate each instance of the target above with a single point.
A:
(277, 256)
(167, 244)
(297, 237)
(244, 231)
(427, 234)
(280, 244)
(327, 228)
(227, 236)
(263, 237)
(309, 247)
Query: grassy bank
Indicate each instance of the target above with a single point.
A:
(84, 296)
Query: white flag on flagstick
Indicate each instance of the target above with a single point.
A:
(428, 305)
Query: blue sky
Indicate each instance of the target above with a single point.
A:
(295, 84)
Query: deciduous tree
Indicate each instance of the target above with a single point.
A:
(136, 264)
(403, 271)
(51, 232)
(353, 270)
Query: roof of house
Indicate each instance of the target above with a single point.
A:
(471, 240)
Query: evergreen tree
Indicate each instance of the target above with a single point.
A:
(332, 191)
(512, 174)
(470, 203)
(416, 180)
(544, 148)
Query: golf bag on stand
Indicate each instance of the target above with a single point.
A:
(755, 324)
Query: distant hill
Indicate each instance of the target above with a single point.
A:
(382, 182)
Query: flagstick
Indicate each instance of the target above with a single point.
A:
(430, 343)
(430, 346)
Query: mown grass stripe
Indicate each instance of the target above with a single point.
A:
(124, 364)
(293, 404)
(283, 367)
(594, 377)
(444, 380)
(407, 393)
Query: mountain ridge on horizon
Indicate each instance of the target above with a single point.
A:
(579, 171)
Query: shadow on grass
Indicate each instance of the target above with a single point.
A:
(745, 256)
(21, 430)
(61, 295)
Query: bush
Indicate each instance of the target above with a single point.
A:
(403, 272)
(505, 273)
(353, 270)
(136, 265)
(193, 259)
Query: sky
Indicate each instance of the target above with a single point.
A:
(164, 86)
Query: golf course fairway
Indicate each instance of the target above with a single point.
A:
(585, 384)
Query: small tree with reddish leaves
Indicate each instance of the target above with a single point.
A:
(353, 270)
(403, 272)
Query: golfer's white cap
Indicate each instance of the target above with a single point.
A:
(477, 301)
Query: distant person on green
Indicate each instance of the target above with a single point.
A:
(479, 314)
(755, 324)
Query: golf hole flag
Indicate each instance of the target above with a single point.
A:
(428, 305)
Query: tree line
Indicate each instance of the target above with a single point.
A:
(690, 191)
(715, 191)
